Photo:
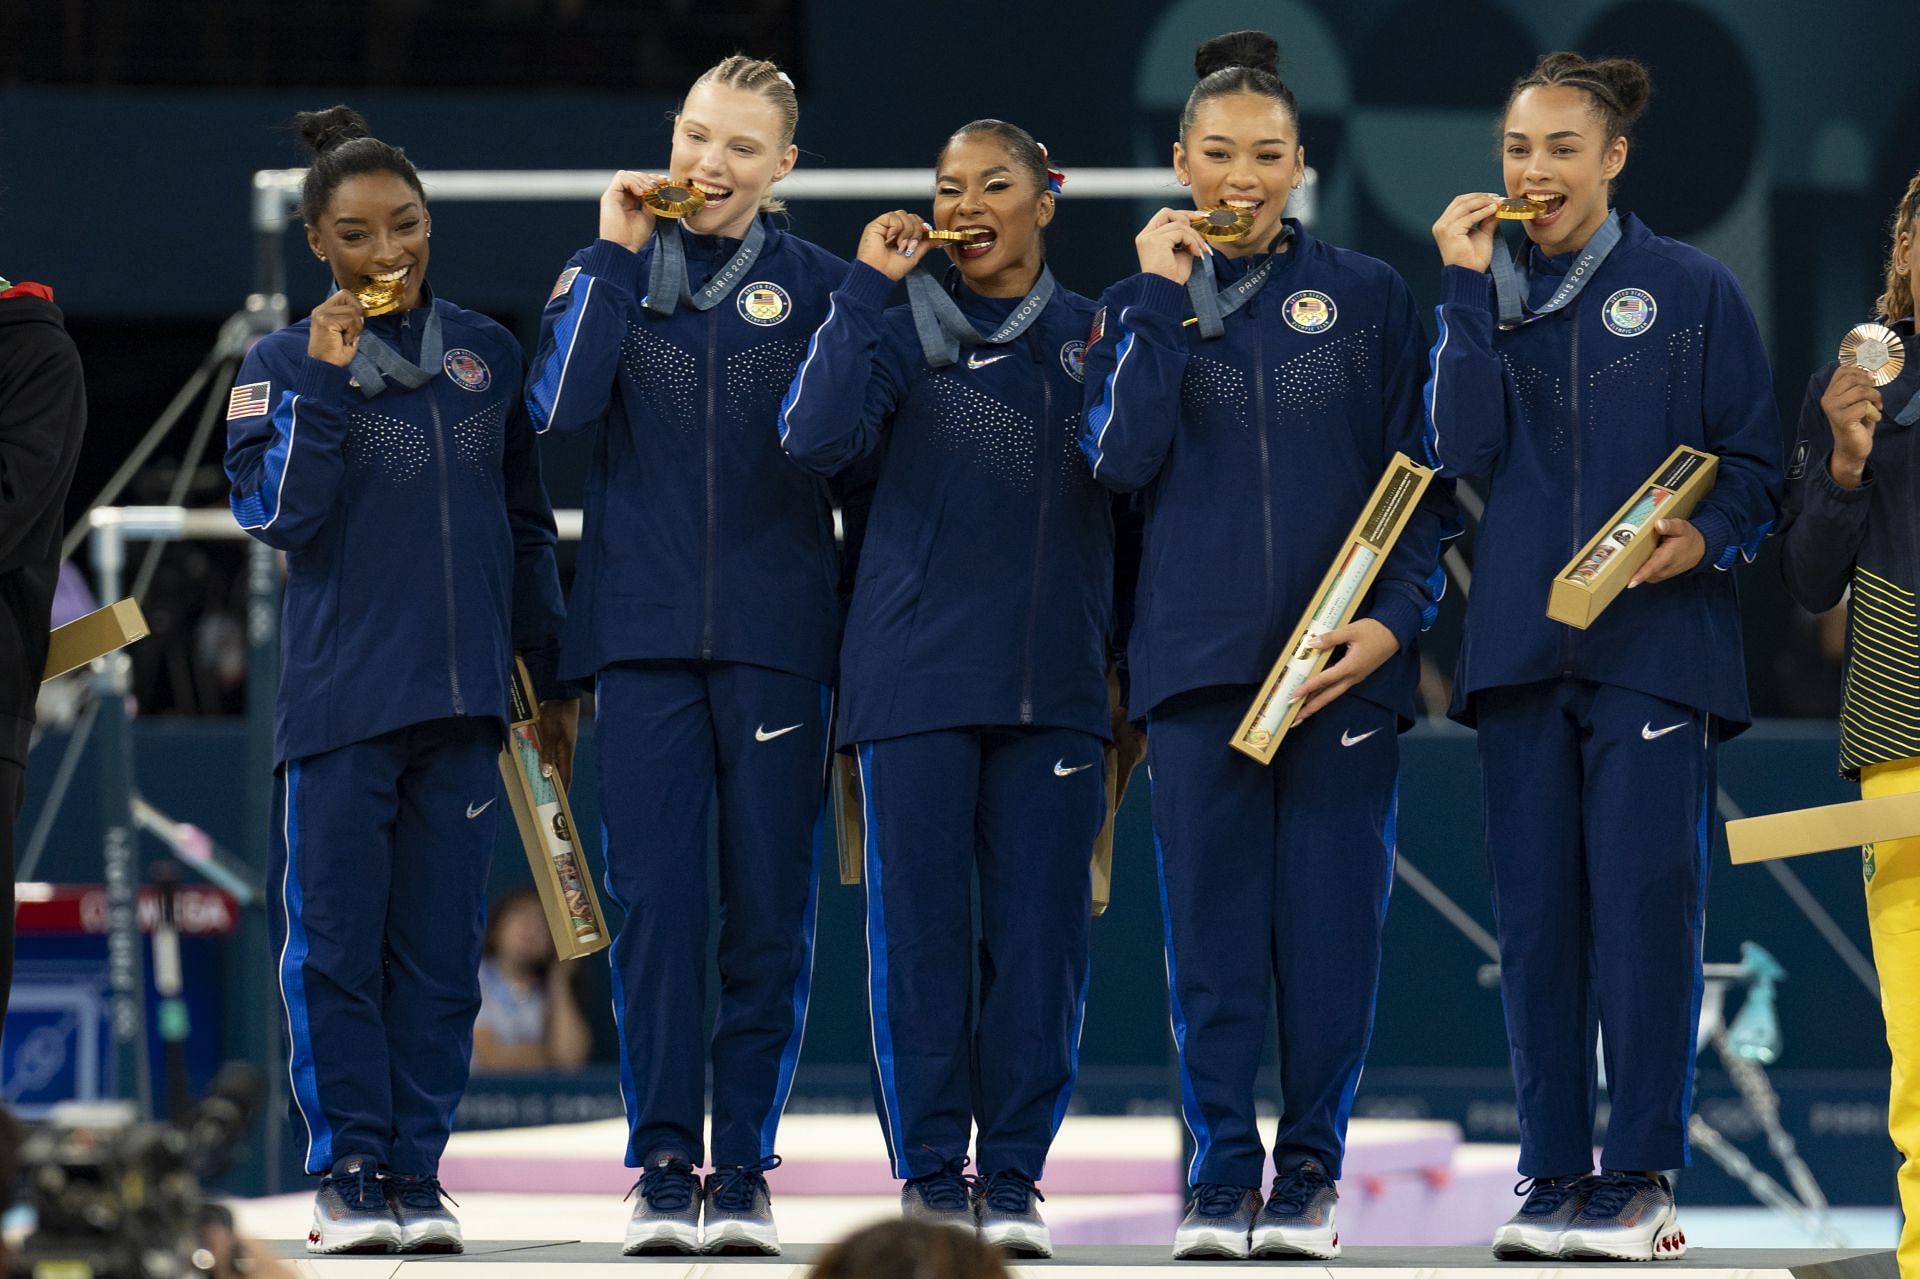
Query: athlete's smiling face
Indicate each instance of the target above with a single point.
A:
(1243, 150)
(374, 225)
(730, 141)
(981, 186)
(1554, 148)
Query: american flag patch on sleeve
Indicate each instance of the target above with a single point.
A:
(564, 283)
(248, 401)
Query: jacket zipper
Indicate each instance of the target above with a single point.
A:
(713, 483)
(1043, 476)
(446, 537)
(1573, 398)
(1266, 473)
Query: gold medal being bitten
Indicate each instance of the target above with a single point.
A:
(1518, 208)
(1224, 222)
(1875, 348)
(969, 236)
(675, 199)
(382, 293)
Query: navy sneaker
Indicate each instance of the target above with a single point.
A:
(1550, 1207)
(1298, 1220)
(1009, 1218)
(740, 1211)
(1627, 1217)
(943, 1198)
(420, 1204)
(1219, 1219)
(351, 1213)
(667, 1216)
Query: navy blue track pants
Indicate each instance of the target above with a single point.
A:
(1021, 808)
(1273, 886)
(1598, 802)
(672, 736)
(377, 874)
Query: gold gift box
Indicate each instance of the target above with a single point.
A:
(1386, 513)
(561, 874)
(1604, 566)
(94, 636)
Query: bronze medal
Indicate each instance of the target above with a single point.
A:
(1875, 348)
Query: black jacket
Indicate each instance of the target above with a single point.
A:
(1863, 540)
(43, 410)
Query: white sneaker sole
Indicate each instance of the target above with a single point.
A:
(1665, 1242)
(1517, 1243)
(331, 1238)
(738, 1237)
(1276, 1242)
(1210, 1243)
(1019, 1239)
(438, 1236)
(662, 1236)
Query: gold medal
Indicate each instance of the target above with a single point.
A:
(1518, 208)
(1875, 348)
(972, 235)
(382, 294)
(675, 199)
(1224, 222)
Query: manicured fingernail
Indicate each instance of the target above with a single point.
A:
(546, 770)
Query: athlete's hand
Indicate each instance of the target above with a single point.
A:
(334, 334)
(1169, 246)
(1678, 550)
(559, 727)
(892, 242)
(1852, 406)
(1465, 231)
(1368, 643)
(624, 218)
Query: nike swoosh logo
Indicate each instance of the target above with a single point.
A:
(473, 812)
(1648, 731)
(1060, 768)
(761, 734)
(975, 362)
(1345, 740)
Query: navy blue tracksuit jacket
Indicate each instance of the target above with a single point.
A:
(1598, 746)
(1253, 453)
(419, 546)
(974, 694)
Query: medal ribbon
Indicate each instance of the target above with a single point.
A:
(1213, 304)
(1512, 281)
(667, 285)
(944, 328)
(374, 361)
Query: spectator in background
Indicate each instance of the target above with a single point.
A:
(529, 1014)
(910, 1249)
(43, 411)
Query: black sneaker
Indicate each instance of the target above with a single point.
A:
(667, 1216)
(943, 1198)
(740, 1211)
(351, 1212)
(1219, 1219)
(1298, 1220)
(1008, 1217)
(420, 1204)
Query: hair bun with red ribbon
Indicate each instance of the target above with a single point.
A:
(1055, 178)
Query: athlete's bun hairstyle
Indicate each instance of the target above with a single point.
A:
(1238, 62)
(1618, 87)
(322, 131)
(1255, 50)
(758, 75)
(343, 146)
